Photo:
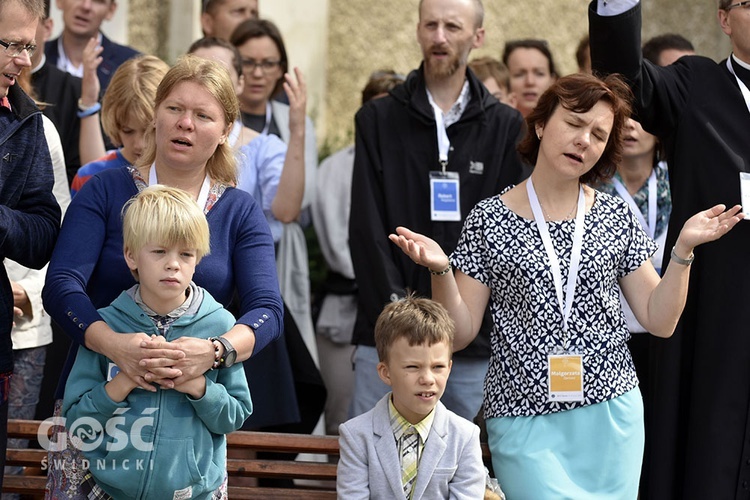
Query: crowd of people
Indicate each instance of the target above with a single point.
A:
(556, 258)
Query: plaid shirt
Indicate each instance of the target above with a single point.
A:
(400, 425)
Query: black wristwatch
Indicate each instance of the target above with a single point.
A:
(230, 354)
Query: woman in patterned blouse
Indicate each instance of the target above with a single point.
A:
(564, 414)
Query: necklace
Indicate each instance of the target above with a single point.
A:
(570, 214)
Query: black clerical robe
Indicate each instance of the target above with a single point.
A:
(698, 444)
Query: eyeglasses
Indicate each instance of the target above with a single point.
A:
(14, 49)
(265, 66)
(745, 4)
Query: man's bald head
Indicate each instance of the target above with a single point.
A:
(478, 12)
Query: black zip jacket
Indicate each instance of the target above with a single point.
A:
(395, 149)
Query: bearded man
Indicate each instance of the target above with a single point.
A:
(424, 156)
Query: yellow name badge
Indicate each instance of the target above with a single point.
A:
(565, 377)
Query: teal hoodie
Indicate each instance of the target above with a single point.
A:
(161, 444)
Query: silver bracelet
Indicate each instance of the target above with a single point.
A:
(679, 260)
(444, 271)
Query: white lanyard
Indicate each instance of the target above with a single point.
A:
(743, 88)
(444, 144)
(625, 195)
(267, 125)
(554, 263)
(202, 196)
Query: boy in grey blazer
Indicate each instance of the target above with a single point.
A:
(379, 450)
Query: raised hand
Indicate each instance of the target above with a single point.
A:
(296, 90)
(708, 225)
(421, 249)
(90, 86)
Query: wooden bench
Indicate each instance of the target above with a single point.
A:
(320, 477)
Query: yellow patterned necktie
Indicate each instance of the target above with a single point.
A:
(409, 459)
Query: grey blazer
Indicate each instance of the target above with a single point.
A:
(451, 465)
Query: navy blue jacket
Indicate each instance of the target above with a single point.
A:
(29, 213)
(113, 55)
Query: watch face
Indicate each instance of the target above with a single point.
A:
(229, 358)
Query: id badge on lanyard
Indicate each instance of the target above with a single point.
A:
(745, 193)
(445, 196)
(565, 377)
(744, 177)
(564, 366)
(445, 187)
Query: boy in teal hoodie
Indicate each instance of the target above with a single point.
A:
(169, 443)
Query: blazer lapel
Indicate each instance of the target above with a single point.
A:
(385, 447)
(434, 449)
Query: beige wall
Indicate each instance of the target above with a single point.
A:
(304, 25)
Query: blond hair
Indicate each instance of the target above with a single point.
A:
(213, 77)
(489, 67)
(131, 94)
(166, 216)
(418, 320)
(33, 7)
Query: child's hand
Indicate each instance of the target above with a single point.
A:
(129, 351)
(119, 387)
(195, 388)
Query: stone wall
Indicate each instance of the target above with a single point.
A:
(148, 26)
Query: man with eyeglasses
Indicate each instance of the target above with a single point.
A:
(698, 444)
(29, 214)
(82, 21)
(424, 156)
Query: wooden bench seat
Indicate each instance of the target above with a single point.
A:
(318, 478)
(34, 480)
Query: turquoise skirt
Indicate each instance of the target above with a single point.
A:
(594, 452)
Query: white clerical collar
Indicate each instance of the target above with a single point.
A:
(741, 63)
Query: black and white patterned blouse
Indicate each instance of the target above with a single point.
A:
(505, 252)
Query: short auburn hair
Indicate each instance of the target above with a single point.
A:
(579, 93)
(418, 320)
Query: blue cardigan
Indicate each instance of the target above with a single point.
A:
(88, 270)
